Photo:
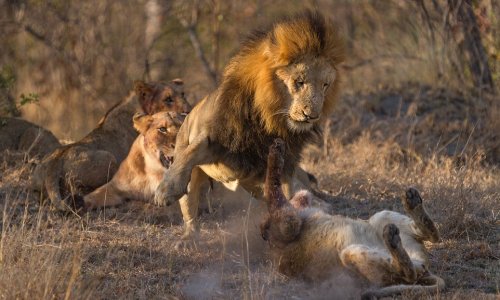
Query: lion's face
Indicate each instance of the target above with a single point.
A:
(158, 96)
(159, 131)
(307, 82)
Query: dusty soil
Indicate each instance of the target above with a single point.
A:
(378, 145)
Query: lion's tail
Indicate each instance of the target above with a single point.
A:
(52, 184)
(433, 284)
(49, 174)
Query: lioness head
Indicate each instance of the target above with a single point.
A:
(159, 131)
(158, 96)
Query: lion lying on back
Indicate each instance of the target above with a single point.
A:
(387, 250)
(150, 155)
(81, 167)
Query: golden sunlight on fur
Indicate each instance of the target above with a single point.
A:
(387, 250)
(150, 155)
(79, 168)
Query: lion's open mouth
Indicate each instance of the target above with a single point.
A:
(166, 161)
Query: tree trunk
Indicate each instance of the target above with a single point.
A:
(153, 29)
(472, 45)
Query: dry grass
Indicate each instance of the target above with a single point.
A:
(373, 156)
(379, 142)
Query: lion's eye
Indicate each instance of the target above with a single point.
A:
(299, 84)
(162, 129)
(325, 85)
(169, 100)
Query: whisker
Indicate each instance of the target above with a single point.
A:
(281, 112)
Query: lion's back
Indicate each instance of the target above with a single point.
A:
(20, 135)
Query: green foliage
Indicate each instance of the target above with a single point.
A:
(28, 99)
(7, 78)
(8, 105)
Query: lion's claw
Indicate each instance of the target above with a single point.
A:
(164, 199)
(169, 191)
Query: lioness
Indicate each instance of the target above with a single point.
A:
(387, 250)
(83, 166)
(20, 135)
(150, 155)
(282, 83)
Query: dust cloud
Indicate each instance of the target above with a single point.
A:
(246, 269)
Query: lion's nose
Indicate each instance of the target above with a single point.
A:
(309, 116)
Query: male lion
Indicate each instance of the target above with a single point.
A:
(282, 83)
(141, 172)
(83, 166)
(387, 250)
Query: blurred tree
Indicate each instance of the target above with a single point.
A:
(472, 46)
(8, 106)
(81, 57)
(461, 24)
(154, 13)
(188, 16)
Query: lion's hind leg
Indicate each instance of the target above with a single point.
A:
(105, 196)
(90, 169)
(401, 261)
(414, 207)
(372, 263)
(378, 265)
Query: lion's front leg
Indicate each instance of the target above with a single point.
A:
(176, 179)
(189, 207)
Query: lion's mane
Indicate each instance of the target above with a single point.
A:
(249, 97)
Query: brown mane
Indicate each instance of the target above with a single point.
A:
(250, 95)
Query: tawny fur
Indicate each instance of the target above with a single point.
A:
(140, 173)
(387, 250)
(20, 135)
(81, 167)
(283, 83)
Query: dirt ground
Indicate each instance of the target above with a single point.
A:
(376, 145)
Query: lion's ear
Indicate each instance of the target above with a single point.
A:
(178, 85)
(142, 88)
(178, 81)
(142, 122)
(283, 74)
(182, 117)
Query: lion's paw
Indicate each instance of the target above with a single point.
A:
(189, 240)
(168, 192)
(186, 245)
(412, 199)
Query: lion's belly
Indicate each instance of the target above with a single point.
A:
(227, 175)
(220, 172)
